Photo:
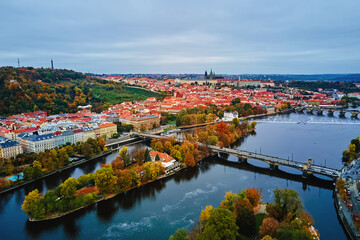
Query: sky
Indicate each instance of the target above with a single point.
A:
(183, 36)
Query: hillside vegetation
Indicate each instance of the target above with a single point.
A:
(59, 91)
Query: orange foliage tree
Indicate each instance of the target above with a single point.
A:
(269, 227)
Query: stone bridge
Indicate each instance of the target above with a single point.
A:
(306, 168)
(330, 110)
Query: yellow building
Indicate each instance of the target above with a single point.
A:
(107, 129)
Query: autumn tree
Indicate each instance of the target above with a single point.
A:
(101, 143)
(253, 195)
(245, 218)
(31, 205)
(117, 164)
(269, 227)
(124, 156)
(69, 188)
(105, 179)
(124, 180)
(139, 155)
(189, 160)
(205, 214)
(229, 202)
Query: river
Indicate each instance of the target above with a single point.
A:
(156, 210)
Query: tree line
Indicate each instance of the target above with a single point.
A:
(127, 171)
(236, 216)
(352, 152)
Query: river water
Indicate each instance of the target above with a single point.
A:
(156, 210)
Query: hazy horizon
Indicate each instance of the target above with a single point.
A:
(279, 37)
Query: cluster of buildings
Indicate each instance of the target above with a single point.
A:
(36, 132)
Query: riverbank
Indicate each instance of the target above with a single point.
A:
(71, 165)
(345, 216)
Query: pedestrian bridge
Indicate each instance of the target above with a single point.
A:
(306, 168)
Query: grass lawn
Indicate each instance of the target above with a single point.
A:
(128, 94)
(258, 221)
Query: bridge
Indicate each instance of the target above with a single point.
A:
(306, 168)
(320, 109)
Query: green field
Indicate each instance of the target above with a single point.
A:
(128, 94)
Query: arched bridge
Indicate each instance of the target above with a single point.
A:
(307, 168)
(319, 110)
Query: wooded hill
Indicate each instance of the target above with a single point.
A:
(58, 91)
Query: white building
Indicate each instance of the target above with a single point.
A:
(38, 143)
(229, 116)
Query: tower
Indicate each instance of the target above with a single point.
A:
(206, 75)
(18, 62)
(52, 64)
(211, 74)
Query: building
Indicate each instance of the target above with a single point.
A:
(354, 95)
(107, 130)
(69, 137)
(38, 143)
(78, 135)
(9, 148)
(145, 122)
(88, 132)
(168, 162)
(229, 116)
(59, 139)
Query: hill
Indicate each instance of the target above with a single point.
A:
(59, 91)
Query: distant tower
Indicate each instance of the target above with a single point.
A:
(206, 75)
(52, 64)
(211, 74)
(18, 62)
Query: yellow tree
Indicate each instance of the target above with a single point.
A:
(30, 205)
(105, 179)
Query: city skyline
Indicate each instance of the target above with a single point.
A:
(161, 37)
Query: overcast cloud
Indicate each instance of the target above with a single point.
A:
(187, 36)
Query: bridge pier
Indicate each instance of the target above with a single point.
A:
(354, 114)
(310, 110)
(342, 114)
(242, 160)
(320, 112)
(330, 112)
(305, 174)
(274, 167)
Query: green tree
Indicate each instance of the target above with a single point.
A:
(220, 225)
(288, 201)
(87, 150)
(293, 234)
(37, 172)
(180, 234)
(105, 179)
(63, 157)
